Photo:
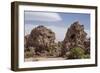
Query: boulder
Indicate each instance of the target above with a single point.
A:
(41, 42)
(75, 37)
(41, 37)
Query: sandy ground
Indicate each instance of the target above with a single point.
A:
(43, 59)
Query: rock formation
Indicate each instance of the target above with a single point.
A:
(87, 45)
(41, 42)
(75, 37)
(41, 37)
(25, 40)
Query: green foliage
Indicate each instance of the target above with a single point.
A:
(76, 53)
(28, 54)
(87, 56)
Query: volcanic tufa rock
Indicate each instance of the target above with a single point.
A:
(75, 37)
(41, 37)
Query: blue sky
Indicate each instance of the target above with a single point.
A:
(57, 21)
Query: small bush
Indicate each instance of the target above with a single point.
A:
(28, 54)
(76, 53)
(87, 56)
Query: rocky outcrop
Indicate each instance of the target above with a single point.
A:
(25, 40)
(75, 37)
(87, 45)
(41, 42)
(41, 37)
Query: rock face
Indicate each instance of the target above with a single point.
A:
(75, 37)
(87, 45)
(25, 40)
(43, 40)
(41, 37)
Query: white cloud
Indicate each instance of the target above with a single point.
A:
(42, 16)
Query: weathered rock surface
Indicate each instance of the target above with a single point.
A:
(75, 37)
(41, 37)
(41, 42)
(25, 40)
(87, 45)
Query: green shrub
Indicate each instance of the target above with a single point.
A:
(76, 53)
(28, 54)
(87, 56)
